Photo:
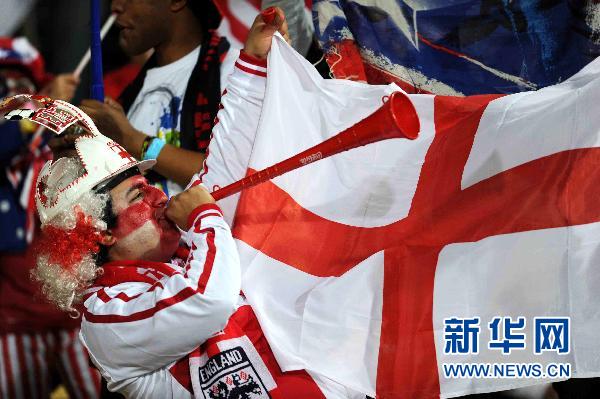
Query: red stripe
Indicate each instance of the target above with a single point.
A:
(204, 163)
(198, 224)
(144, 264)
(42, 350)
(252, 60)
(155, 286)
(89, 294)
(10, 385)
(126, 298)
(92, 382)
(204, 216)
(167, 302)
(238, 29)
(144, 314)
(36, 366)
(442, 48)
(94, 374)
(251, 71)
(48, 348)
(76, 379)
(209, 262)
(103, 296)
(23, 369)
(202, 208)
(126, 271)
(121, 276)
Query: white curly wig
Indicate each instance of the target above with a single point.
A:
(67, 255)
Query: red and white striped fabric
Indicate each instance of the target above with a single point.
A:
(353, 263)
(28, 360)
(251, 65)
(238, 16)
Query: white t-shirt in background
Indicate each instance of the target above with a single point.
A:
(156, 110)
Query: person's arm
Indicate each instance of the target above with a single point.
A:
(134, 328)
(233, 135)
(177, 164)
(62, 87)
(299, 22)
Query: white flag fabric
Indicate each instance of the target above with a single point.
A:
(380, 266)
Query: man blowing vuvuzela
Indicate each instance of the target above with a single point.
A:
(159, 320)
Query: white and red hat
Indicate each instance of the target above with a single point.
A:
(101, 157)
(19, 53)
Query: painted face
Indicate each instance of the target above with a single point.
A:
(142, 231)
(143, 24)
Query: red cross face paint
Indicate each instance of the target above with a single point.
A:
(142, 230)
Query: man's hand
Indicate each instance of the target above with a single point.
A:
(181, 205)
(62, 87)
(110, 119)
(264, 27)
(64, 145)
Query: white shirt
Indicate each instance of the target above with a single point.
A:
(135, 329)
(156, 110)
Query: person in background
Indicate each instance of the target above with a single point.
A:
(37, 342)
(168, 111)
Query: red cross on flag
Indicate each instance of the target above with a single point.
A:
(354, 263)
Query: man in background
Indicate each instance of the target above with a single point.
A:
(168, 111)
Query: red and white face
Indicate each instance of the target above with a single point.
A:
(142, 231)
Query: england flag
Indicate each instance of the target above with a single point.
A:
(390, 267)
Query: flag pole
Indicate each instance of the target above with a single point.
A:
(86, 57)
(97, 85)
